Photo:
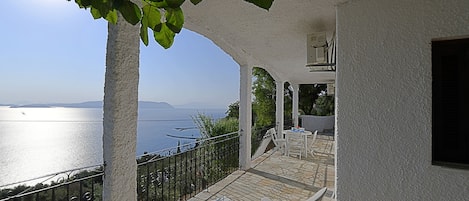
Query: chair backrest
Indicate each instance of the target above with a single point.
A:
(278, 140)
(315, 134)
(273, 133)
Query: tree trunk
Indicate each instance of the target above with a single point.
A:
(120, 112)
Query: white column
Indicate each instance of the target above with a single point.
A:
(245, 117)
(120, 112)
(295, 100)
(279, 103)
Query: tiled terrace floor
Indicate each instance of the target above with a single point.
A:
(279, 177)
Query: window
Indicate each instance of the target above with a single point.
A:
(450, 103)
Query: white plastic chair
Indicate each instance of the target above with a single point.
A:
(311, 149)
(295, 144)
(280, 143)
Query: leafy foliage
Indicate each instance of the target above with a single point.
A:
(264, 93)
(308, 95)
(324, 106)
(233, 110)
(210, 127)
(164, 17)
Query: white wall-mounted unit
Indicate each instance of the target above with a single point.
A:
(316, 51)
(320, 55)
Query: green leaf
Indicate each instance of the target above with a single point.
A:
(95, 13)
(83, 3)
(265, 4)
(157, 28)
(175, 19)
(112, 16)
(144, 29)
(195, 2)
(151, 15)
(144, 34)
(104, 7)
(175, 3)
(130, 12)
(158, 4)
(144, 21)
(165, 37)
(173, 28)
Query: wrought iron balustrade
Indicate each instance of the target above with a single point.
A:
(83, 184)
(172, 174)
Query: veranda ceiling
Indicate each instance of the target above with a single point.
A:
(274, 39)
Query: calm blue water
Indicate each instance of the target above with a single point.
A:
(40, 141)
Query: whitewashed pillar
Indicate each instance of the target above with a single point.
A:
(296, 89)
(120, 112)
(245, 116)
(279, 103)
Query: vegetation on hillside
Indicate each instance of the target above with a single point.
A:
(210, 127)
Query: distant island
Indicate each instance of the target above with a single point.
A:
(94, 104)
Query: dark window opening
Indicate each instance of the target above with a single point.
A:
(450, 103)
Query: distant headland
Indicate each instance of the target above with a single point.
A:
(93, 104)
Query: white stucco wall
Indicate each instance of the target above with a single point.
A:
(384, 99)
(320, 123)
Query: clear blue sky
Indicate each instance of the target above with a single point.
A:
(53, 52)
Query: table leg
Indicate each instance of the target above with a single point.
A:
(306, 146)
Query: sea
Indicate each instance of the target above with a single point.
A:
(40, 141)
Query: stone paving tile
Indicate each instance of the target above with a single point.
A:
(279, 177)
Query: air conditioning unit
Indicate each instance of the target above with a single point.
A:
(317, 53)
(316, 50)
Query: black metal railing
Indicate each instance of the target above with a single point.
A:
(83, 184)
(174, 174)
